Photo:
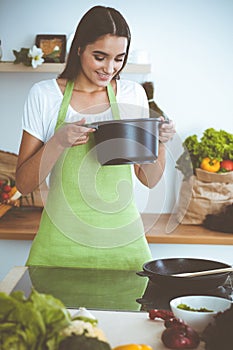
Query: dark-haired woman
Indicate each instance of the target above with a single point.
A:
(90, 219)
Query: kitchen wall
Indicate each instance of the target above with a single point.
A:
(191, 52)
(190, 47)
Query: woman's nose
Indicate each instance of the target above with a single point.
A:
(109, 67)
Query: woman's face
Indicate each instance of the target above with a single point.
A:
(102, 60)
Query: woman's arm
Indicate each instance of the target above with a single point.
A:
(150, 174)
(37, 159)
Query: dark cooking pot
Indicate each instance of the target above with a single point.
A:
(127, 141)
(160, 271)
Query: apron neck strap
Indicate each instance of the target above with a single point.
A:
(65, 103)
(67, 97)
(113, 102)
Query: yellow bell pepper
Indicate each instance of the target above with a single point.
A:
(133, 347)
(211, 165)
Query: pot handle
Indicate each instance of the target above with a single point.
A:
(143, 273)
(91, 126)
(166, 119)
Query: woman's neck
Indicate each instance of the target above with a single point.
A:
(81, 84)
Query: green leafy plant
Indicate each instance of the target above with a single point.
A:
(42, 322)
(213, 144)
(29, 57)
(32, 323)
(34, 56)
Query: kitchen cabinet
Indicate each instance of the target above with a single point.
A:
(10, 67)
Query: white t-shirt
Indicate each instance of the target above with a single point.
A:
(44, 100)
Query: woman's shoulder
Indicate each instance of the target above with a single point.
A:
(131, 90)
(129, 85)
(44, 86)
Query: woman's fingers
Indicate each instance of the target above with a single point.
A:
(72, 134)
(81, 139)
(82, 133)
(167, 131)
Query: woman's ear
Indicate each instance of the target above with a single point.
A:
(79, 51)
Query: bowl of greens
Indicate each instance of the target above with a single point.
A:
(198, 311)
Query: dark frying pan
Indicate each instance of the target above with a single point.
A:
(160, 271)
(127, 141)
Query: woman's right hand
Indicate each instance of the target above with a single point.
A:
(73, 134)
(36, 159)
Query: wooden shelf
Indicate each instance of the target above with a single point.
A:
(10, 67)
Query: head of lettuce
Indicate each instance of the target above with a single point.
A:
(38, 323)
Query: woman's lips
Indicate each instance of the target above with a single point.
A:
(104, 77)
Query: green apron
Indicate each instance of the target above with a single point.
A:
(90, 219)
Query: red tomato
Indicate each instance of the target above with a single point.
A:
(227, 165)
(6, 188)
(4, 196)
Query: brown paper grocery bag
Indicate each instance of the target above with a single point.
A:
(206, 176)
(198, 198)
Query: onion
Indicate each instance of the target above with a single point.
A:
(180, 337)
(172, 322)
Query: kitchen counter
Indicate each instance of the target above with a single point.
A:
(116, 313)
(23, 223)
(120, 325)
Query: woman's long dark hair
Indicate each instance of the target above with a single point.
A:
(98, 21)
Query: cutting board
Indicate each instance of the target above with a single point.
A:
(122, 327)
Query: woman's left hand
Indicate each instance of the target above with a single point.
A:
(166, 131)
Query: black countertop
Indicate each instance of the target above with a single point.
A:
(90, 288)
(106, 289)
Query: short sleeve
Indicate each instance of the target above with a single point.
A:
(142, 100)
(132, 100)
(32, 116)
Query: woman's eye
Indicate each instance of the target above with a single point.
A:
(99, 58)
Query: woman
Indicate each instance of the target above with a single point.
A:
(90, 218)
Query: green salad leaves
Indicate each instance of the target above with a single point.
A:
(33, 323)
(42, 322)
(189, 308)
(213, 144)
